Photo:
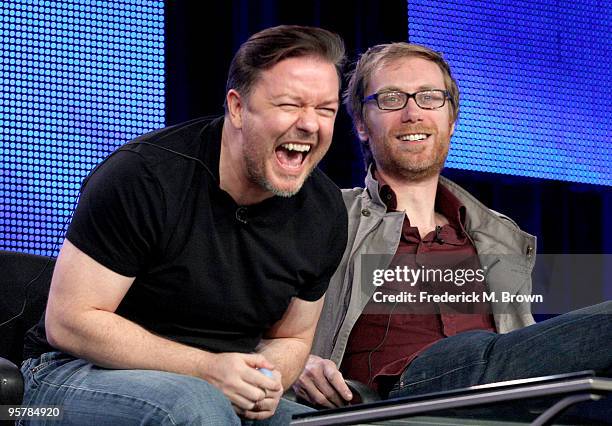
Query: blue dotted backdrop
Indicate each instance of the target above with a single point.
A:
(78, 79)
(536, 83)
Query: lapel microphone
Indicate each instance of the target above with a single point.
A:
(437, 237)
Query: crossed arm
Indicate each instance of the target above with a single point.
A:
(81, 320)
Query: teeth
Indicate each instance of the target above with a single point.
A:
(296, 147)
(413, 137)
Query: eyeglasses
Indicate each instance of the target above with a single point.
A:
(394, 100)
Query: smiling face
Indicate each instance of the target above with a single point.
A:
(411, 143)
(286, 123)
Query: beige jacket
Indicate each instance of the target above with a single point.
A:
(504, 250)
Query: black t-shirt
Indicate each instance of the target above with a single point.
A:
(209, 273)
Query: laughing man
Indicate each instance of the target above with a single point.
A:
(191, 261)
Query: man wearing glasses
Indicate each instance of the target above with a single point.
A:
(404, 104)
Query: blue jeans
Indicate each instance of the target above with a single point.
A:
(575, 341)
(99, 396)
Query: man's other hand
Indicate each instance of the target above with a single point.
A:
(252, 393)
(322, 384)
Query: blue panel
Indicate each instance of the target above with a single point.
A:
(78, 78)
(536, 82)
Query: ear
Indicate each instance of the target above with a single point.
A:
(452, 129)
(362, 131)
(235, 107)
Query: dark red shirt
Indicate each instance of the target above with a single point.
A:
(385, 340)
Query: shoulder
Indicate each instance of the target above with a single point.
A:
(472, 204)
(505, 218)
(169, 155)
(120, 171)
(475, 208)
(322, 191)
(186, 130)
(161, 162)
(174, 143)
(488, 227)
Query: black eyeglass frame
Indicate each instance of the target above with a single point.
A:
(408, 96)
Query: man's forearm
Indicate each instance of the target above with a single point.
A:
(109, 340)
(289, 355)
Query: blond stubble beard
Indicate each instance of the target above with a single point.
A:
(407, 168)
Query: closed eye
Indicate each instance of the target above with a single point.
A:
(327, 111)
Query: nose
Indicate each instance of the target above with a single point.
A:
(412, 112)
(308, 121)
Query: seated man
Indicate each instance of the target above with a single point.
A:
(190, 262)
(404, 104)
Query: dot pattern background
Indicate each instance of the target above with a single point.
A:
(77, 79)
(536, 82)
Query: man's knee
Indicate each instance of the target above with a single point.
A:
(195, 401)
(604, 308)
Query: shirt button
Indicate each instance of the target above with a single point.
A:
(365, 212)
(529, 251)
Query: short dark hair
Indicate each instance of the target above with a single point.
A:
(268, 47)
(379, 56)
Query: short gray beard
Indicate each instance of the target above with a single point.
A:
(285, 194)
(260, 179)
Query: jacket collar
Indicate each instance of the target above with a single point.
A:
(478, 216)
(472, 205)
(373, 189)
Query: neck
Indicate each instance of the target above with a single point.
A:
(233, 176)
(417, 199)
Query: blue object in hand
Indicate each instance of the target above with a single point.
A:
(266, 372)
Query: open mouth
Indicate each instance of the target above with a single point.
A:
(292, 155)
(413, 137)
